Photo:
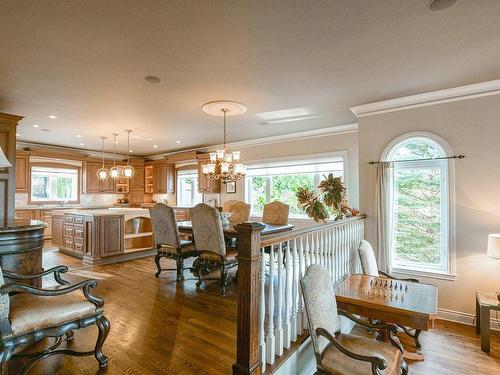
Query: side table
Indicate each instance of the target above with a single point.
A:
(485, 302)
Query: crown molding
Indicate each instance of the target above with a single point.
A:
(84, 152)
(429, 98)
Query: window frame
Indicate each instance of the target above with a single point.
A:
(292, 161)
(447, 173)
(55, 166)
(193, 168)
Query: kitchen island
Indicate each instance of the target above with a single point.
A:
(103, 235)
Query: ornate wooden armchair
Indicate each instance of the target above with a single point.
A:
(370, 268)
(32, 314)
(275, 213)
(343, 354)
(167, 240)
(209, 238)
(240, 211)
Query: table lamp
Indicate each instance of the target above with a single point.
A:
(494, 249)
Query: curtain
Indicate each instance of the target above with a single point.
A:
(384, 215)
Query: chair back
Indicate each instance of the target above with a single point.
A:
(240, 211)
(367, 258)
(207, 229)
(275, 213)
(164, 223)
(321, 306)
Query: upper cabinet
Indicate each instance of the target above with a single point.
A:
(159, 177)
(137, 181)
(91, 183)
(206, 185)
(171, 178)
(22, 171)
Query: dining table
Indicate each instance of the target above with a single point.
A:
(230, 230)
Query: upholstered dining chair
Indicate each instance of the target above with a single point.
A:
(370, 268)
(31, 314)
(168, 241)
(345, 354)
(240, 211)
(275, 213)
(209, 238)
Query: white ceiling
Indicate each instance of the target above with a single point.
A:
(85, 61)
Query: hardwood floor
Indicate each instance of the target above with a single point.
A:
(161, 327)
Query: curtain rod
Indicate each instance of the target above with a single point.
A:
(440, 158)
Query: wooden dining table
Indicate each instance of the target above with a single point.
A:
(230, 230)
(406, 304)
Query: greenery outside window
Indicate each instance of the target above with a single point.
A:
(54, 184)
(187, 188)
(420, 206)
(266, 183)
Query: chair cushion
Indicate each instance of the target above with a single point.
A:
(211, 256)
(187, 248)
(29, 313)
(334, 361)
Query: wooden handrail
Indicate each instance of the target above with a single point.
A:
(296, 233)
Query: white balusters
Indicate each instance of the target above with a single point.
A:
(295, 293)
(278, 330)
(270, 340)
(262, 332)
(287, 330)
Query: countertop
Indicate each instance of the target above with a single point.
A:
(104, 211)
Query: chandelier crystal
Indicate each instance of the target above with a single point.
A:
(224, 165)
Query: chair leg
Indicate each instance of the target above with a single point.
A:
(104, 326)
(5, 356)
(158, 266)
(223, 279)
(180, 269)
(197, 270)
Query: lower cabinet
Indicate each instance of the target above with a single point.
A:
(43, 215)
(111, 235)
(57, 230)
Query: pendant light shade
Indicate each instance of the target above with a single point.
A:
(4, 162)
(114, 172)
(128, 170)
(102, 173)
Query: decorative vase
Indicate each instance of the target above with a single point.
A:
(136, 224)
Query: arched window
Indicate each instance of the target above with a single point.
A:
(420, 205)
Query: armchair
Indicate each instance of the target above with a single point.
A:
(344, 354)
(30, 314)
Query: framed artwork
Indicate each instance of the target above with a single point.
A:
(231, 187)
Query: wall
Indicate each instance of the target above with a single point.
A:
(471, 127)
(300, 147)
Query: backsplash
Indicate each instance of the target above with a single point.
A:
(85, 199)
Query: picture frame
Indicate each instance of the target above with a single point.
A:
(231, 187)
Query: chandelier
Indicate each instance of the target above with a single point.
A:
(224, 165)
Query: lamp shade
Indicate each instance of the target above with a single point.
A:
(4, 162)
(494, 246)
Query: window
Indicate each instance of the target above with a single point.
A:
(54, 184)
(420, 201)
(279, 181)
(187, 188)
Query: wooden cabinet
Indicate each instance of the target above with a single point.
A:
(70, 230)
(111, 235)
(25, 214)
(46, 217)
(57, 230)
(137, 181)
(148, 179)
(206, 185)
(171, 178)
(136, 196)
(22, 173)
(91, 183)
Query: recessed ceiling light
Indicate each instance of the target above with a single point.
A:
(78, 136)
(155, 146)
(18, 135)
(36, 125)
(177, 142)
(82, 144)
(116, 142)
(152, 79)
(130, 151)
(53, 117)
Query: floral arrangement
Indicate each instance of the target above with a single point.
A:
(331, 198)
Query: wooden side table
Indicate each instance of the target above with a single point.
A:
(485, 302)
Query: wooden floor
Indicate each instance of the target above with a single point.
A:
(161, 327)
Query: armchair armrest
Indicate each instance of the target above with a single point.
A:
(84, 285)
(55, 270)
(389, 276)
(376, 362)
(388, 328)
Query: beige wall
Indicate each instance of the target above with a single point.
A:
(301, 147)
(471, 127)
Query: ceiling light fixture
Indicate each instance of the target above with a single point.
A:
(36, 125)
(224, 165)
(4, 162)
(128, 170)
(102, 173)
(152, 79)
(18, 135)
(155, 146)
(82, 144)
(53, 117)
(78, 136)
(177, 142)
(114, 172)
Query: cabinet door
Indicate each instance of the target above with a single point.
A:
(137, 181)
(171, 178)
(111, 235)
(46, 217)
(22, 173)
(57, 230)
(162, 181)
(25, 214)
(206, 185)
(107, 186)
(92, 183)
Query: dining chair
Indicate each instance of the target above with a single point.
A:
(370, 268)
(30, 314)
(240, 211)
(209, 238)
(275, 213)
(345, 354)
(167, 240)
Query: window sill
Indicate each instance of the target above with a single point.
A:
(424, 273)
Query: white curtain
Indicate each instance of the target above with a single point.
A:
(384, 214)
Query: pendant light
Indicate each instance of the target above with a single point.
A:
(115, 171)
(103, 173)
(128, 170)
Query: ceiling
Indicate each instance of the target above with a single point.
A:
(85, 62)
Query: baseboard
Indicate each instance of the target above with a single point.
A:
(465, 318)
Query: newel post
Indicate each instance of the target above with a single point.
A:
(249, 280)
